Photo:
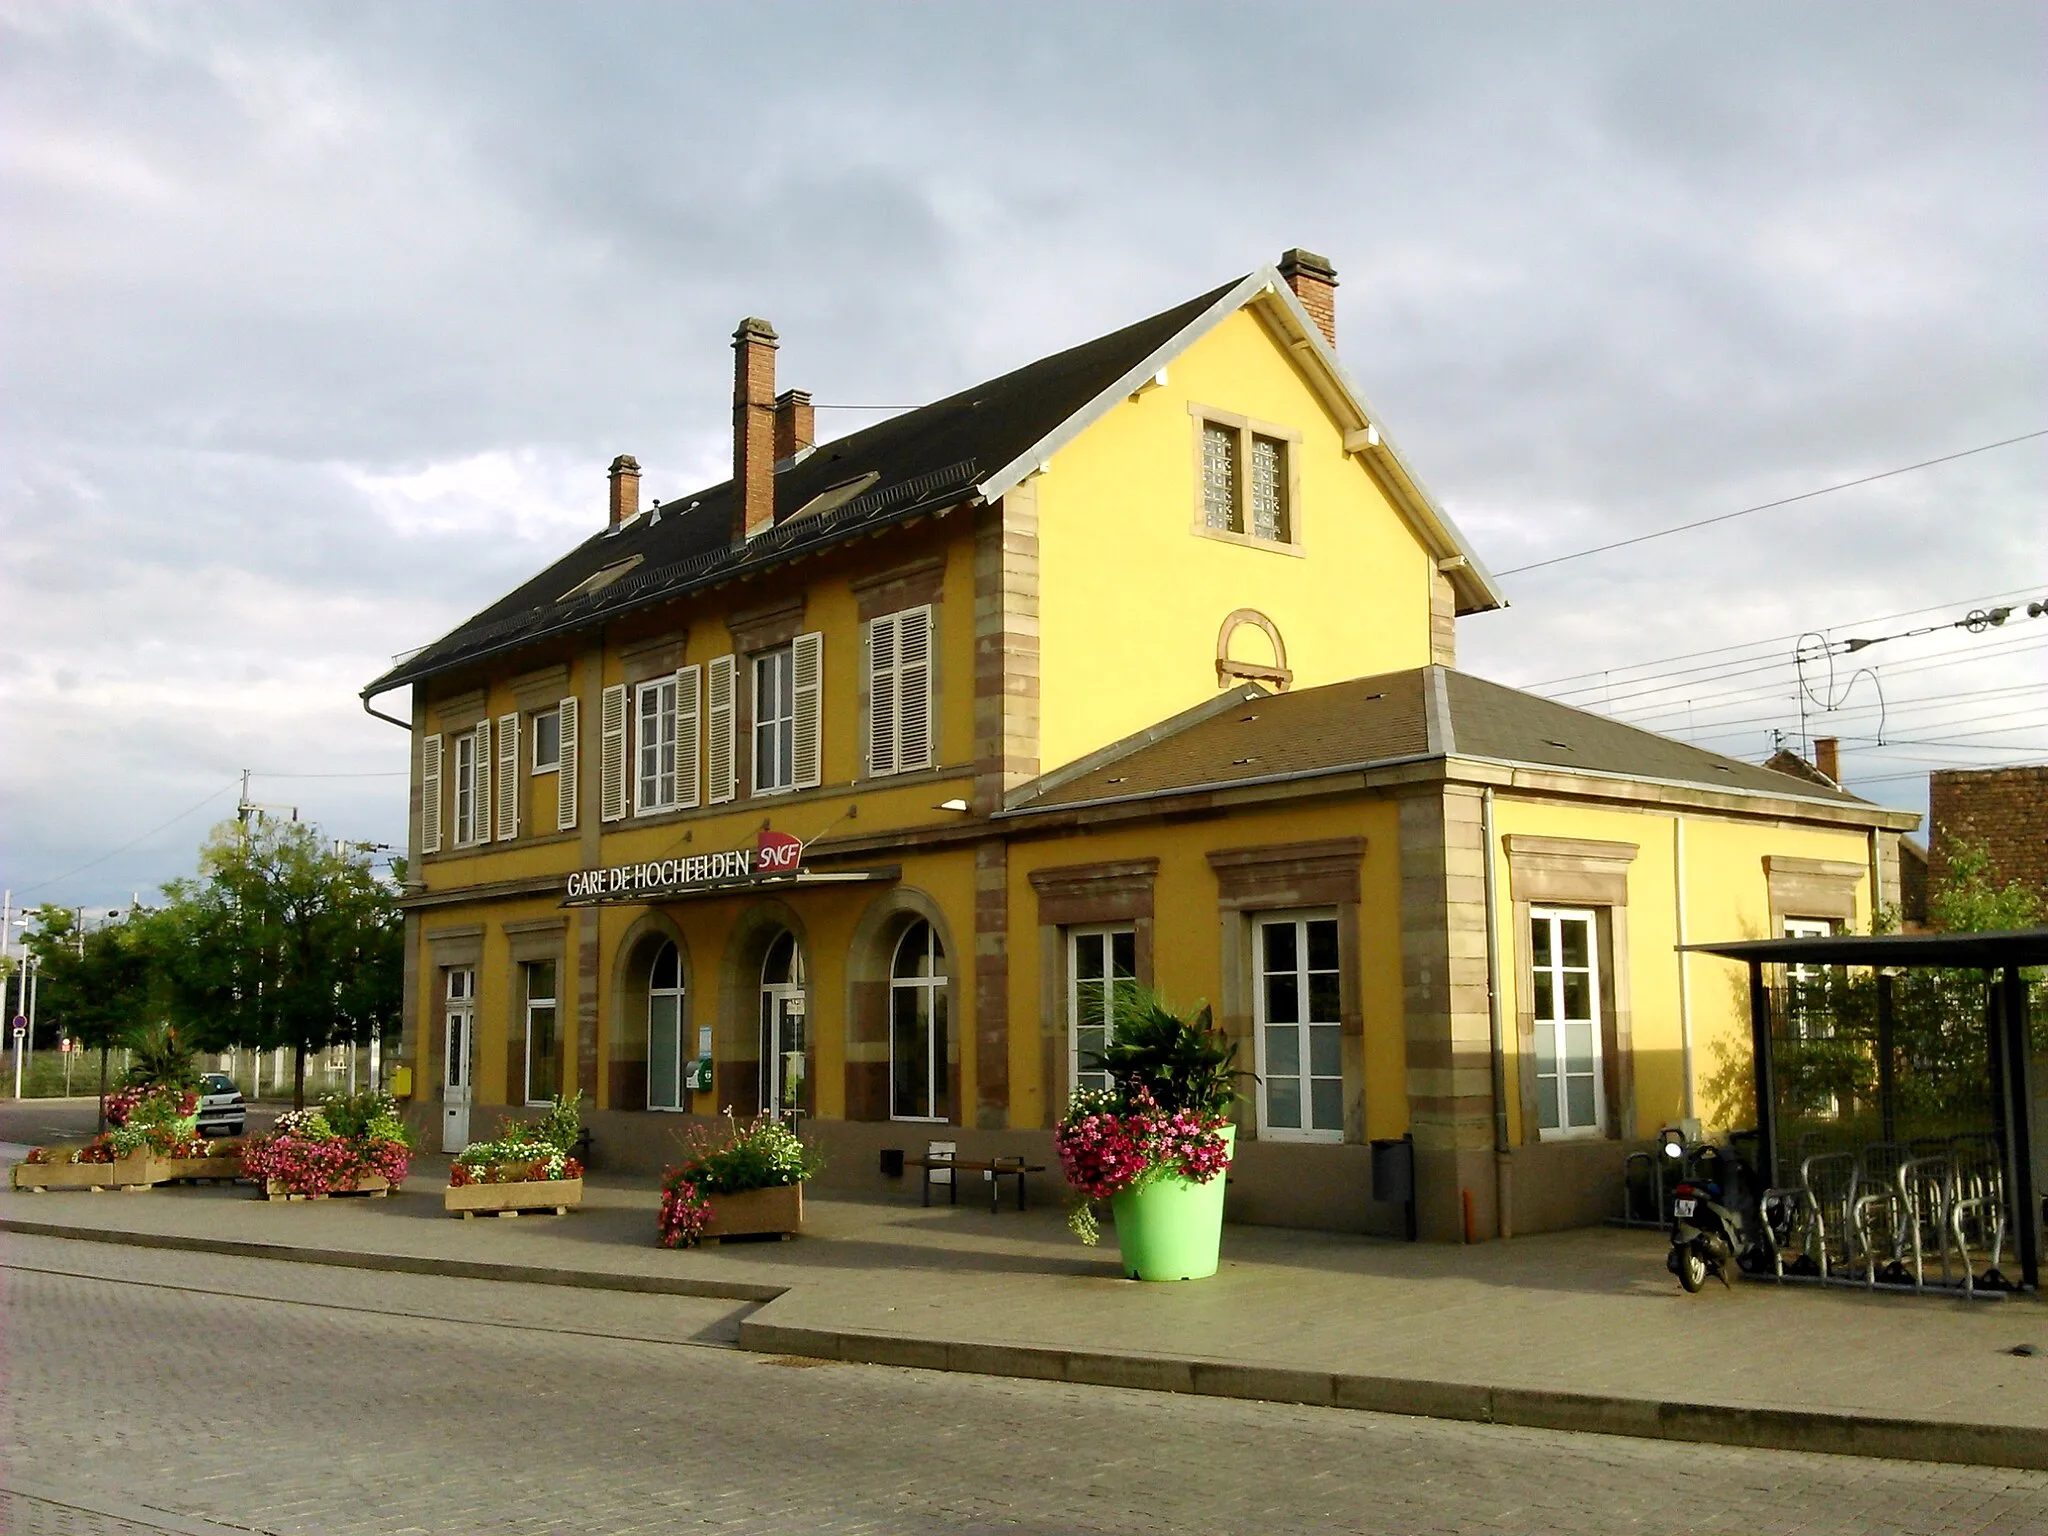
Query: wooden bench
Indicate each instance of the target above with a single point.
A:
(942, 1164)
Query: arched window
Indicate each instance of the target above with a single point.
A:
(783, 1008)
(665, 1031)
(918, 1079)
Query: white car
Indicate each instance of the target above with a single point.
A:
(222, 1111)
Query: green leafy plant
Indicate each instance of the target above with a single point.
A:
(1184, 1063)
(366, 1116)
(160, 1058)
(762, 1154)
(537, 1148)
(562, 1123)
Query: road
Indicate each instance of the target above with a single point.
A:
(153, 1392)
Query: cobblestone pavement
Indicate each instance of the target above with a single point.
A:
(174, 1390)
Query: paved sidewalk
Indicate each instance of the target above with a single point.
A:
(1579, 1330)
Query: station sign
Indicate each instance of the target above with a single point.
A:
(773, 855)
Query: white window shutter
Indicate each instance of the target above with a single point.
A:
(882, 635)
(482, 797)
(914, 689)
(721, 679)
(689, 733)
(565, 776)
(430, 794)
(508, 777)
(807, 696)
(611, 755)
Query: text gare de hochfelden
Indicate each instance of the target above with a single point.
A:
(693, 869)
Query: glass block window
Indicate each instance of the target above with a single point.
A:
(1269, 488)
(1219, 476)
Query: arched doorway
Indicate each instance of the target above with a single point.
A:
(784, 1007)
(919, 1082)
(665, 1043)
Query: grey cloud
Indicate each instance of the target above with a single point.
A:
(322, 321)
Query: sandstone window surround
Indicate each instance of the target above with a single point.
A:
(1575, 872)
(1247, 481)
(1280, 878)
(533, 943)
(448, 949)
(1114, 893)
(1817, 888)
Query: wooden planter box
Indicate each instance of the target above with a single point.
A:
(164, 1170)
(558, 1195)
(366, 1184)
(779, 1210)
(126, 1173)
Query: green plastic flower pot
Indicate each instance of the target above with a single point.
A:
(1172, 1229)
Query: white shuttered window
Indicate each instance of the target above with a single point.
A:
(721, 723)
(611, 754)
(482, 833)
(655, 745)
(807, 670)
(565, 776)
(508, 777)
(689, 690)
(473, 786)
(430, 794)
(900, 692)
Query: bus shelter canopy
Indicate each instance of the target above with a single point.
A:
(1953, 951)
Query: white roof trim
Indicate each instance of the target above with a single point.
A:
(1476, 588)
(1033, 458)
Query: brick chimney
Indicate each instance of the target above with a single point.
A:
(625, 488)
(796, 423)
(753, 429)
(1314, 282)
(1827, 757)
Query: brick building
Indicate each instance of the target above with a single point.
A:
(2006, 809)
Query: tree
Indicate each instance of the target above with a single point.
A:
(100, 986)
(1966, 900)
(282, 943)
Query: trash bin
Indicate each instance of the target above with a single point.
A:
(892, 1162)
(1393, 1176)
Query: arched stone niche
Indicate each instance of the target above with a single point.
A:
(873, 950)
(626, 1069)
(1235, 668)
(736, 1032)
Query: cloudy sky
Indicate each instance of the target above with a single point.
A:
(321, 323)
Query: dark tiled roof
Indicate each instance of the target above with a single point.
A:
(925, 459)
(1492, 720)
(1391, 718)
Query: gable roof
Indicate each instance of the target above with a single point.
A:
(966, 449)
(1247, 737)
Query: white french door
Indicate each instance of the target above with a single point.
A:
(1100, 963)
(1298, 999)
(457, 1058)
(1565, 973)
(784, 1006)
(665, 1070)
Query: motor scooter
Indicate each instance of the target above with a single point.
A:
(1709, 1231)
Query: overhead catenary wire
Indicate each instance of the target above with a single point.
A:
(1912, 713)
(1977, 622)
(1743, 645)
(1896, 669)
(1766, 506)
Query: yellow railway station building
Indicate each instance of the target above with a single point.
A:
(849, 788)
